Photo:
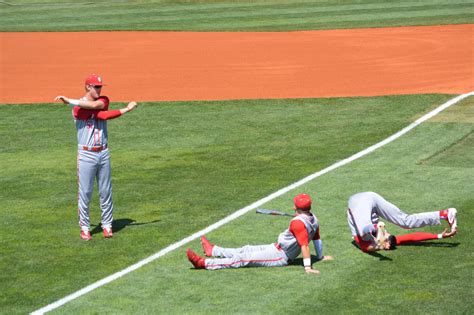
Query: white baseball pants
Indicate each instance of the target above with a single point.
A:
(365, 209)
(92, 165)
(247, 256)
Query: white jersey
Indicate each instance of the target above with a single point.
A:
(287, 240)
(91, 132)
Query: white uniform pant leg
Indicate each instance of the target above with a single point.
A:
(104, 181)
(351, 223)
(231, 252)
(87, 164)
(396, 216)
(249, 256)
(359, 214)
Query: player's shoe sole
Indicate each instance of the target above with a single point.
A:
(380, 233)
(452, 219)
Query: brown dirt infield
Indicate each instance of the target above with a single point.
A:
(166, 66)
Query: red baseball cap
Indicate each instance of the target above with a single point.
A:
(302, 202)
(94, 79)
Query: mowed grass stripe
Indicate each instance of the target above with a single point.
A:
(250, 12)
(176, 167)
(236, 16)
(411, 279)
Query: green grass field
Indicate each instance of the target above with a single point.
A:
(180, 167)
(431, 278)
(236, 15)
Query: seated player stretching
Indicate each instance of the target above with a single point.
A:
(364, 210)
(293, 241)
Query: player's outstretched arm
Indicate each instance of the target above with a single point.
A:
(98, 104)
(131, 106)
(61, 98)
(111, 114)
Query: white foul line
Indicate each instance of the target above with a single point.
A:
(248, 208)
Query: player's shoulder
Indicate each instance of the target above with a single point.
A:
(104, 99)
(297, 223)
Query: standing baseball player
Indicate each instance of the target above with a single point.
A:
(364, 210)
(293, 241)
(93, 159)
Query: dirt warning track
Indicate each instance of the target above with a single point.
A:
(156, 66)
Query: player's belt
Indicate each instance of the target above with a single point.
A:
(278, 246)
(94, 149)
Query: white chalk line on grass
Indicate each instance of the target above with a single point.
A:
(248, 208)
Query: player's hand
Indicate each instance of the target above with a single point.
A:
(327, 258)
(312, 271)
(64, 99)
(131, 106)
(447, 234)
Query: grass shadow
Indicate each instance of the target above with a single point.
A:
(432, 244)
(374, 254)
(299, 261)
(118, 225)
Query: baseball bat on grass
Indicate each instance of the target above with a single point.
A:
(274, 212)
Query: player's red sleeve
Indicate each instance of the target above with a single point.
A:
(298, 229)
(316, 235)
(363, 245)
(415, 237)
(111, 114)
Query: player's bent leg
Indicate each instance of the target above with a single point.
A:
(393, 214)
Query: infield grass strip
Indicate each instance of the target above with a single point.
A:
(228, 16)
(176, 168)
(411, 279)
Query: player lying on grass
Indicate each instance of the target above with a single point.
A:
(293, 241)
(364, 210)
